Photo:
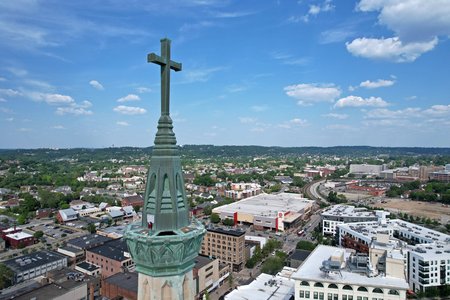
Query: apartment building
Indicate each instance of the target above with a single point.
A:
(341, 214)
(228, 245)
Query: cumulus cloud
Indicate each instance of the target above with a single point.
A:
(129, 97)
(384, 113)
(377, 83)
(96, 85)
(391, 49)
(53, 99)
(122, 123)
(417, 25)
(129, 110)
(336, 116)
(309, 93)
(73, 110)
(438, 110)
(356, 101)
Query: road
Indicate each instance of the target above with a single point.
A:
(312, 190)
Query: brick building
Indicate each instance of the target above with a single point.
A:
(133, 201)
(120, 286)
(112, 257)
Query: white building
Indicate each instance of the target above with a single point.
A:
(268, 211)
(426, 252)
(366, 169)
(340, 214)
(243, 190)
(265, 287)
(337, 274)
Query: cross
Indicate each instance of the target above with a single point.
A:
(166, 64)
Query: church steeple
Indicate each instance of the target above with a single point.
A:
(165, 243)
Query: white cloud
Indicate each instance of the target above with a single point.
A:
(23, 129)
(313, 10)
(417, 24)
(10, 92)
(384, 113)
(17, 71)
(122, 123)
(59, 127)
(247, 120)
(52, 99)
(97, 85)
(356, 101)
(308, 93)
(129, 97)
(377, 83)
(296, 122)
(336, 116)
(143, 89)
(73, 110)
(391, 49)
(438, 110)
(130, 110)
(412, 20)
(336, 35)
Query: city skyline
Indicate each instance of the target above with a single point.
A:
(306, 73)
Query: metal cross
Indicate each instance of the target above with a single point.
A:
(166, 64)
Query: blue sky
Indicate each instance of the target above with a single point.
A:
(281, 73)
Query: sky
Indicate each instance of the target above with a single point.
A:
(255, 72)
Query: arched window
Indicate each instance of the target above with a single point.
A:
(377, 290)
(304, 283)
(332, 286)
(393, 292)
(318, 284)
(347, 287)
(362, 289)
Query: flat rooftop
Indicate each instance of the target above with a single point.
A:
(227, 231)
(202, 260)
(264, 287)
(347, 211)
(87, 266)
(310, 270)
(88, 241)
(33, 260)
(267, 204)
(114, 249)
(126, 281)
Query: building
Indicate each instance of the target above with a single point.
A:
(443, 175)
(19, 240)
(243, 190)
(66, 215)
(35, 264)
(423, 252)
(337, 273)
(75, 249)
(265, 287)
(112, 257)
(341, 214)
(268, 211)
(88, 269)
(206, 275)
(365, 169)
(43, 213)
(121, 286)
(226, 245)
(297, 258)
(135, 201)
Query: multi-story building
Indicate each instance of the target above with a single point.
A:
(340, 214)
(340, 274)
(243, 190)
(226, 245)
(121, 286)
(35, 264)
(206, 275)
(365, 169)
(112, 257)
(424, 253)
(443, 175)
(75, 249)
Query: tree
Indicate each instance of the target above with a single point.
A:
(215, 218)
(91, 228)
(204, 180)
(230, 279)
(272, 265)
(38, 234)
(228, 222)
(21, 220)
(6, 276)
(306, 245)
(207, 210)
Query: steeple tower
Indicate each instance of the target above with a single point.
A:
(166, 242)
